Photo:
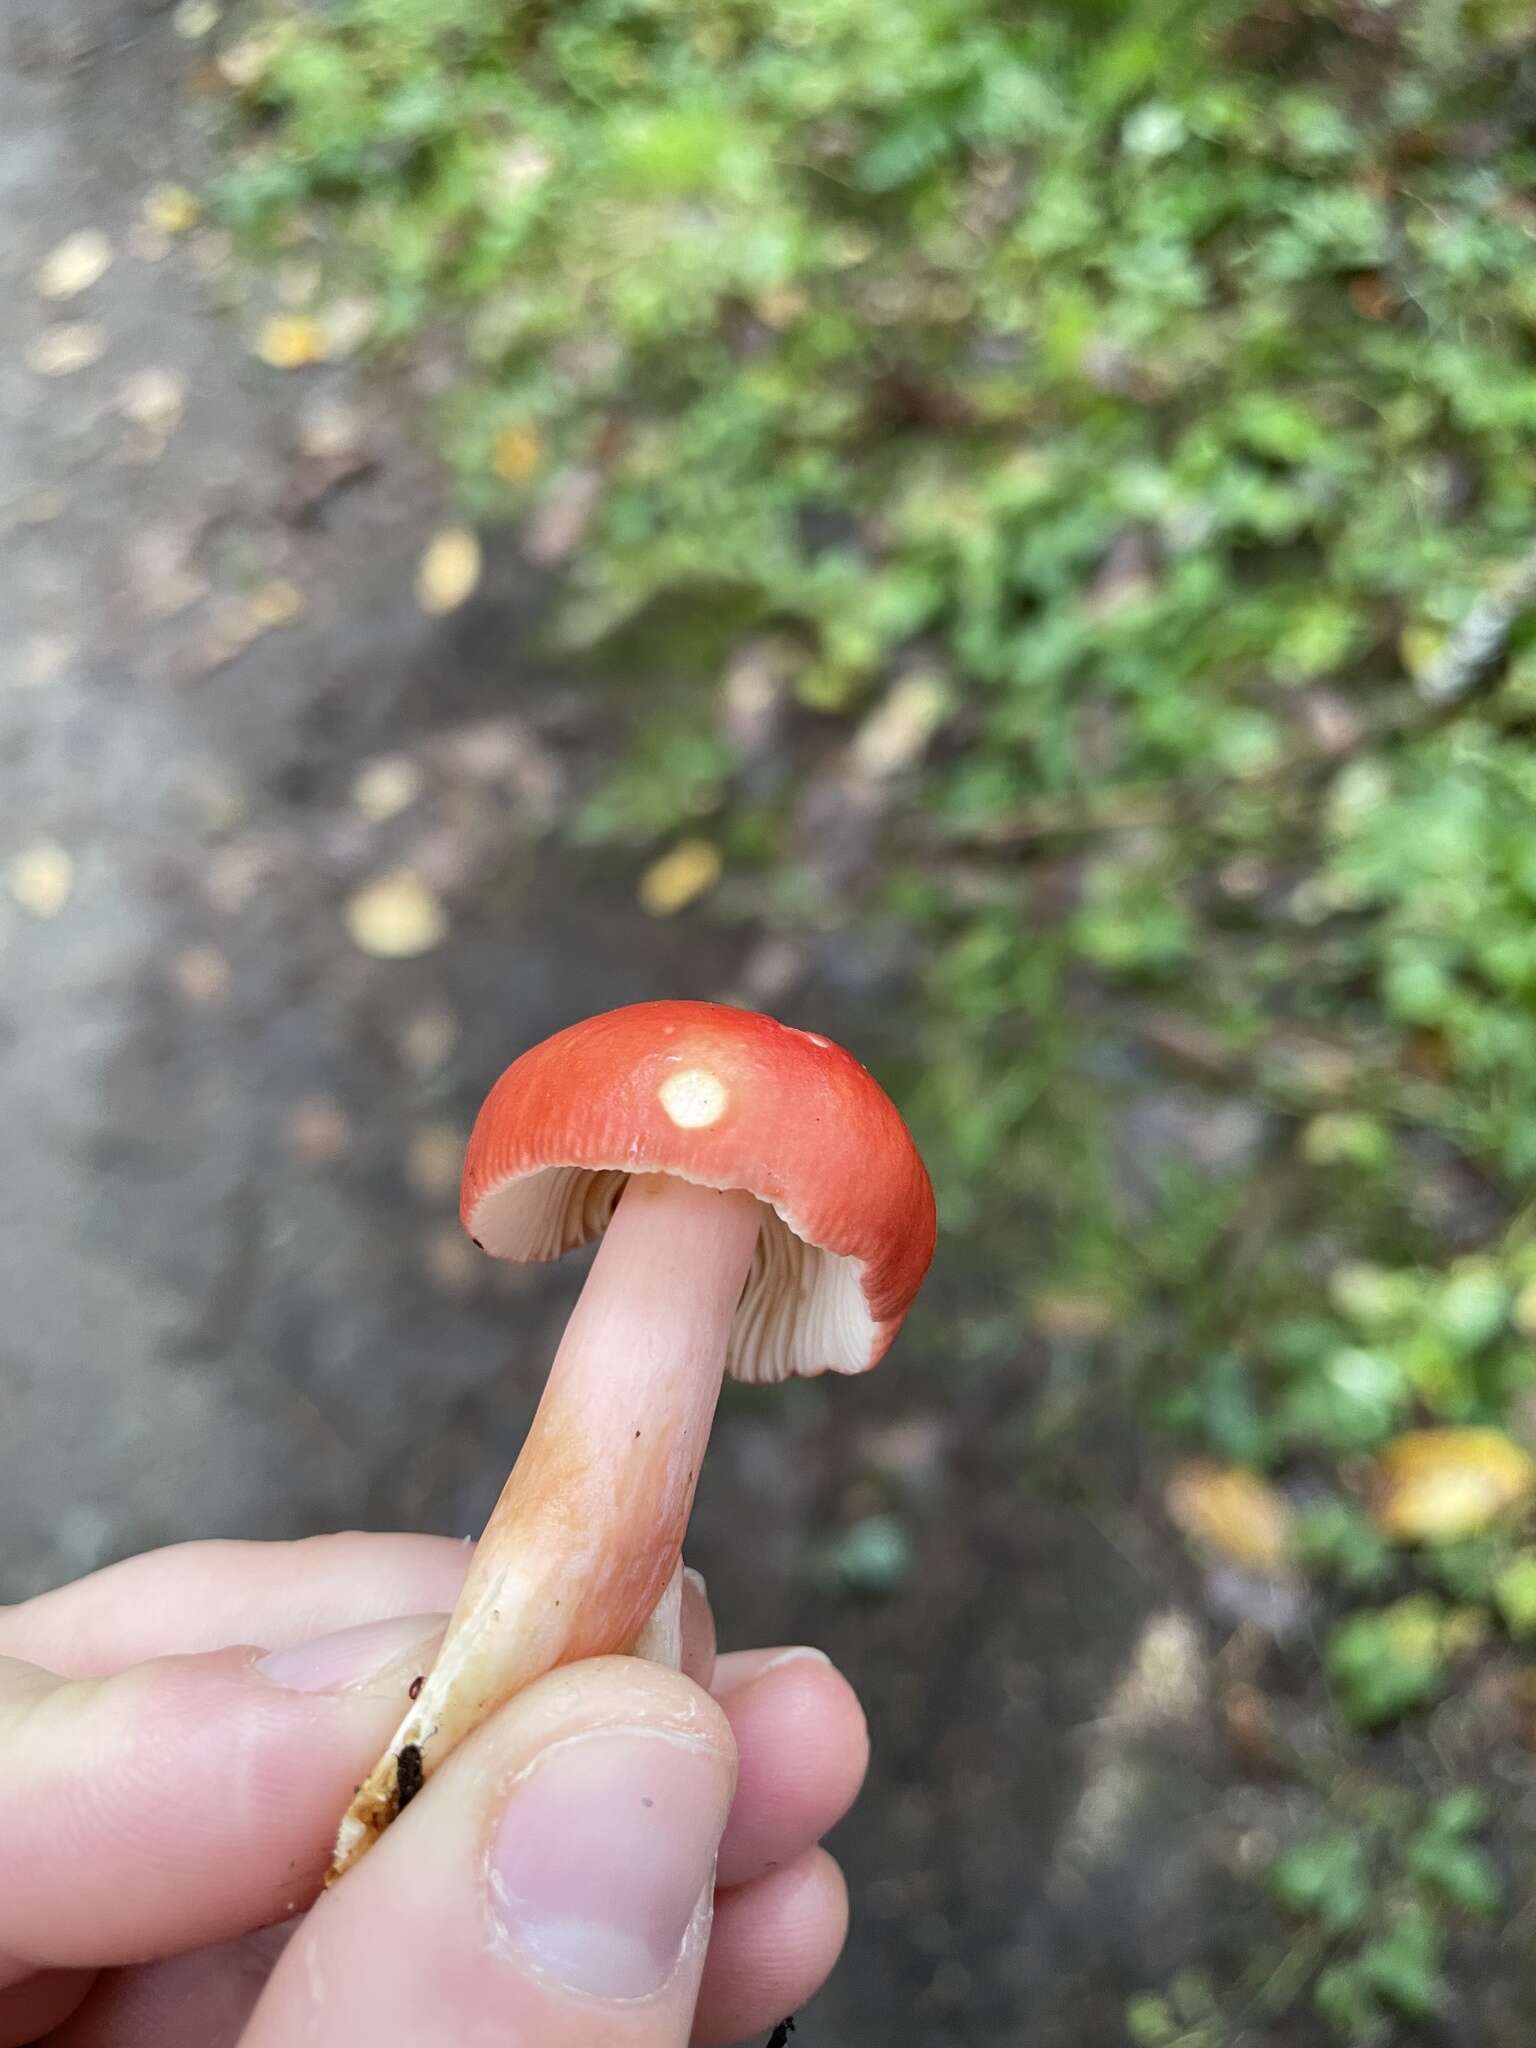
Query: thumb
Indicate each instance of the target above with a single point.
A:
(552, 1883)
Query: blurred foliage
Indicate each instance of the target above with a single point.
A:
(1094, 441)
(1369, 1911)
(1158, 377)
(1386, 1893)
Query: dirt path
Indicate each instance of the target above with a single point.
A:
(235, 1296)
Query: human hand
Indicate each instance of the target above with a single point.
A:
(167, 1806)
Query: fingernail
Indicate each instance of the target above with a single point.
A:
(603, 1857)
(802, 1653)
(749, 1668)
(352, 1656)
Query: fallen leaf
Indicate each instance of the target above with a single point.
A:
(245, 63)
(1372, 296)
(386, 787)
(753, 694)
(434, 1161)
(316, 1130)
(41, 508)
(559, 523)
(427, 1040)
(1434, 1485)
(517, 454)
(161, 578)
(396, 917)
(1419, 645)
(330, 430)
(41, 878)
(77, 263)
(171, 210)
(275, 603)
(212, 251)
(346, 324)
(781, 305)
(237, 624)
(201, 975)
(235, 874)
(1067, 1316)
(154, 399)
(194, 19)
(451, 1261)
(44, 659)
(147, 244)
(1248, 1723)
(1234, 1512)
(291, 341)
(679, 878)
(65, 350)
(449, 571)
(296, 283)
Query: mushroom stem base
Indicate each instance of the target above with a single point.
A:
(587, 1535)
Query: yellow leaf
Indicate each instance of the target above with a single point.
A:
(517, 454)
(63, 351)
(1419, 645)
(171, 209)
(1438, 1484)
(291, 341)
(42, 878)
(277, 602)
(679, 878)
(449, 571)
(386, 787)
(195, 19)
(1234, 1512)
(396, 917)
(153, 399)
(74, 266)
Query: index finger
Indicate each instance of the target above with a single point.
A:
(208, 1596)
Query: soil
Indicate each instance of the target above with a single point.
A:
(237, 1300)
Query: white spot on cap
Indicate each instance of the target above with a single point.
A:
(693, 1098)
(816, 1039)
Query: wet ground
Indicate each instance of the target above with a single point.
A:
(235, 1296)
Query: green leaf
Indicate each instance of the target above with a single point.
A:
(1326, 1879)
(1514, 1594)
(873, 1557)
(1402, 1964)
(1385, 1664)
(1458, 1872)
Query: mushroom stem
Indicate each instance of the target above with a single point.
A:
(588, 1531)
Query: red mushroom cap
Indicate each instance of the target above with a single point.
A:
(728, 1099)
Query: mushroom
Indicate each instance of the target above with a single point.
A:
(763, 1212)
